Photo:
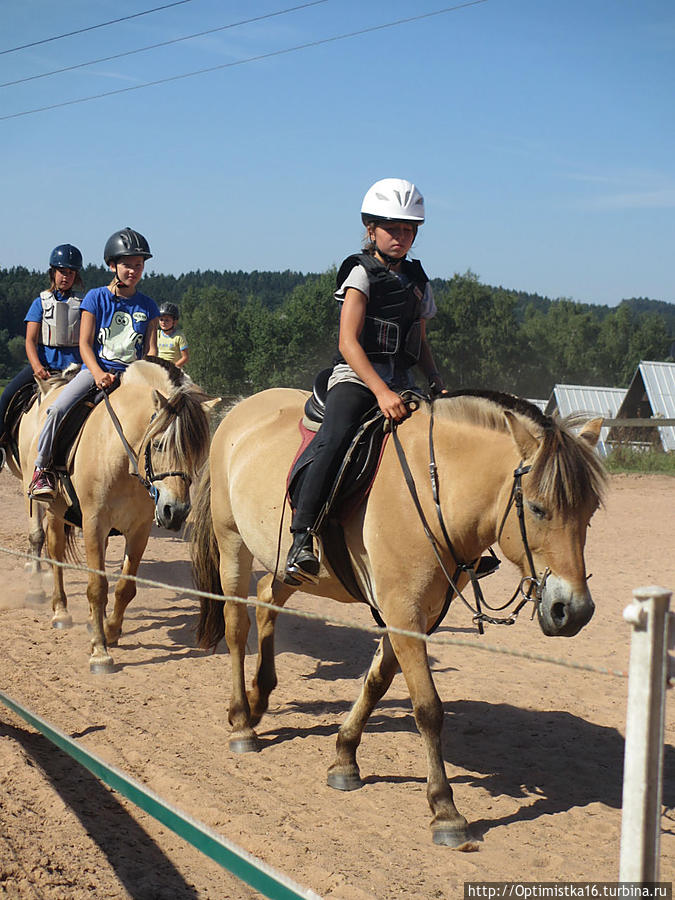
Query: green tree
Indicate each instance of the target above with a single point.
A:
(475, 336)
(212, 323)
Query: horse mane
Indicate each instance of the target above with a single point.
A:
(181, 425)
(565, 470)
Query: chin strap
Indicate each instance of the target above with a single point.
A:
(389, 260)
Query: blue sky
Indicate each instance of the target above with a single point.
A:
(541, 133)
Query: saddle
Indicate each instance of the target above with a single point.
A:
(351, 486)
(20, 403)
(66, 440)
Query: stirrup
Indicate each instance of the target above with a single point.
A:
(302, 564)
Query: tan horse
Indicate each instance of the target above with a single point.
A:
(163, 418)
(478, 445)
(36, 532)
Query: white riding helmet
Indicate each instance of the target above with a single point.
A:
(393, 200)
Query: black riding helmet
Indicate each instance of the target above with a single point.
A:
(66, 256)
(169, 309)
(126, 242)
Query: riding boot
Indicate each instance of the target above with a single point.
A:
(302, 563)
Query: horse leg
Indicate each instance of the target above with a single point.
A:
(343, 774)
(36, 538)
(125, 589)
(265, 679)
(235, 572)
(448, 826)
(100, 661)
(56, 548)
(35, 595)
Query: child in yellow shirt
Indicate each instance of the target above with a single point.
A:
(171, 343)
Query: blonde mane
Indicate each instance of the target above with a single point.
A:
(566, 471)
(181, 426)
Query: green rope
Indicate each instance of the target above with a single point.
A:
(244, 865)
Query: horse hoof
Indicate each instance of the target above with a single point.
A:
(456, 837)
(62, 621)
(344, 781)
(101, 666)
(245, 743)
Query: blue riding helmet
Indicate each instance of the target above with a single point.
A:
(65, 256)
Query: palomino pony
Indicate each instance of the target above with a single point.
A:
(478, 444)
(36, 532)
(162, 418)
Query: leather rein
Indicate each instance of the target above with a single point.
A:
(151, 477)
(530, 587)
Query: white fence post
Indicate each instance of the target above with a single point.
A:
(643, 755)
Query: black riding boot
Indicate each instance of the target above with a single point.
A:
(302, 563)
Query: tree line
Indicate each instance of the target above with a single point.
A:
(251, 330)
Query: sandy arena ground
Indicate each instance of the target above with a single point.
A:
(534, 751)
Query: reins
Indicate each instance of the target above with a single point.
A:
(516, 497)
(150, 478)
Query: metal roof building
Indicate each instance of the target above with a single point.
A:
(651, 393)
(567, 399)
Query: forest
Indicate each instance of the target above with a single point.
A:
(251, 330)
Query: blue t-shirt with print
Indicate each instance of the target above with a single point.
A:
(121, 324)
(58, 358)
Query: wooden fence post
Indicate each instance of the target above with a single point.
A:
(643, 755)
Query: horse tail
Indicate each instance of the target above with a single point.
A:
(72, 553)
(206, 566)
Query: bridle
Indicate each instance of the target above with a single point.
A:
(151, 477)
(530, 588)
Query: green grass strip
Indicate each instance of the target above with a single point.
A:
(244, 865)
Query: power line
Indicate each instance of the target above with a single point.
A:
(57, 37)
(187, 37)
(241, 62)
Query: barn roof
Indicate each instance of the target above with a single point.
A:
(651, 393)
(566, 399)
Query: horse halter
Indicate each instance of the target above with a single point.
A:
(150, 477)
(529, 585)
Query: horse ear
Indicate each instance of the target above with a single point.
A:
(525, 441)
(591, 431)
(159, 400)
(208, 405)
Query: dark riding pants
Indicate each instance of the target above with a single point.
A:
(346, 404)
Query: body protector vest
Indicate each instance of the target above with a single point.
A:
(60, 320)
(392, 326)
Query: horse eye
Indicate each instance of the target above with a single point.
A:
(537, 511)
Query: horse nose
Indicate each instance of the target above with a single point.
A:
(563, 611)
(172, 515)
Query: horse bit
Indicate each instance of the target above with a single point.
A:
(150, 477)
(530, 588)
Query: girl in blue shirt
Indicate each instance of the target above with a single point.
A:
(118, 325)
(52, 330)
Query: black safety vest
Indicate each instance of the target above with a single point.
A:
(392, 326)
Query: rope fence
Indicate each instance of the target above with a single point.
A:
(432, 639)
(654, 634)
